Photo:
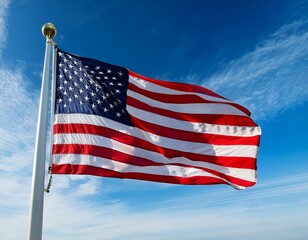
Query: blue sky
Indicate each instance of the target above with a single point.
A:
(252, 52)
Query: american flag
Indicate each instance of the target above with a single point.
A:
(112, 122)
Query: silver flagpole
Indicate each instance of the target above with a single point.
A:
(37, 195)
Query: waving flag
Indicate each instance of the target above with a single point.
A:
(112, 122)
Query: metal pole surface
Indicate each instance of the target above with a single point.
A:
(37, 194)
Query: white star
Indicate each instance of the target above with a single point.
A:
(93, 94)
(106, 77)
(100, 73)
(81, 79)
(70, 88)
(111, 106)
(60, 100)
(109, 71)
(111, 84)
(60, 88)
(120, 84)
(86, 98)
(93, 105)
(118, 114)
(76, 84)
(81, 90)
(105, 109)
(117, 91)
(65, 60)
(80, 102)
(65, 82)
(99, 102)
(120, 73)
(65, 105)
(70, 77)
(114, 78)
(65, 70)
(87, 86)
(98, 67)
(70, 99)
(76, 96)
(65, 93)
(60, 65)
(60, 54)
(70, 66)
(60, 76)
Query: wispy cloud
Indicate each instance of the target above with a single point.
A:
(273, 209)
(16, 143)
(4, 4)
(18, 119)
(16, 122)
(271, 78)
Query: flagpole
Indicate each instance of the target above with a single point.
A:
(37, 195)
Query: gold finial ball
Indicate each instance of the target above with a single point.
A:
(49, 30)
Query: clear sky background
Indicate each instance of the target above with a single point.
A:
(252, 52)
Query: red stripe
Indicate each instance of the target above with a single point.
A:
(85, 169)
(128, 159)
(186, 88)
(179, 99)
(237, 162)
(103, 152)
(220, 119)
(177, 86)
(194, 136)
(170, 98)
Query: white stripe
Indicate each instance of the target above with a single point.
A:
(240, 131)
(199, 148)
(246, 174)
(151, 87)
(193, 108)
(183, 146)
(104, 163)
(237, 131)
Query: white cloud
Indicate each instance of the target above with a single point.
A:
(18, 112)
(18, 119)
(271, 78)
(272, 210)
(16, 124)
(4, 4)
(17, 132)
